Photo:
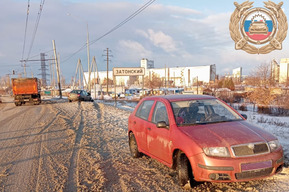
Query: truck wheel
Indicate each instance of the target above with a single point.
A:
(184, 169)
(133, 146)
(18, 103)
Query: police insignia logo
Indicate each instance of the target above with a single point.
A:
(258, 30)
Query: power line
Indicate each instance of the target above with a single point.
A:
(25, 32)
(36, 26)
(114, 28)
(125, 21)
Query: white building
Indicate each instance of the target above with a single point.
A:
(147, 64)
(275, 70)
(284, 70)
(237, 73)
(175, 76)
(185, 76)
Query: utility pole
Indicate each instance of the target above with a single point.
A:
(169, 84)
(79, 72)
(165, 76)
(88, 60)
(25, 75)
(197, 85)
(52, 73)
(43, 69)
(95, 70)
(107, 64)
(57, 69)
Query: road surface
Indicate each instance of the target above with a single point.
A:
(62, 146)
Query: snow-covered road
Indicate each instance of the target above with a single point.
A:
(61, 146)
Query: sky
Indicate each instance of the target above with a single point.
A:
(169, 32)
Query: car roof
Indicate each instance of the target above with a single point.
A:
(172, 98)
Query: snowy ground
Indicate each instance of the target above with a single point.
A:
(61, 146)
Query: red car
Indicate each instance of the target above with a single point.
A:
(203, 138)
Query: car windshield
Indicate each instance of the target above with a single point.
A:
(202, 112)
(76, 91)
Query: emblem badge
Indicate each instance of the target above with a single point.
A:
(251, 28)
(251, 146)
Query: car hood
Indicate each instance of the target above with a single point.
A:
(226, 134)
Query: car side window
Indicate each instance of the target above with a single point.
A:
(144, 109)
(160, 113)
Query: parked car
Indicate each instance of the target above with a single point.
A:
(79, 95)
(203, 138)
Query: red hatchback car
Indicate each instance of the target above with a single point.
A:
(203, 138)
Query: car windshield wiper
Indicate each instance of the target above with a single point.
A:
(190, 124)
(228, 120)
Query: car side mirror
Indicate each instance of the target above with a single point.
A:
(245, 116)
(162, 124)
(88, 93)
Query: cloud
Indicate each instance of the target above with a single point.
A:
(131, 51)
(161, 40)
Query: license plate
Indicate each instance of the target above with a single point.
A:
(256, 166)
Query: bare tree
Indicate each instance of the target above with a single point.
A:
(261, 79)
(260, 76)
(153, 81)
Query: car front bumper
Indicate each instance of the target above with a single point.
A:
(216, 169)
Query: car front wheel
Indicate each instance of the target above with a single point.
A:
(184, 170)
(133, 146)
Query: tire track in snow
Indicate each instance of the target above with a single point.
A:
(103, 133)
(72, 181)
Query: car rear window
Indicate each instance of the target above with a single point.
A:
(144, 109)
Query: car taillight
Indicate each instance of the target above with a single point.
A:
(78, 95)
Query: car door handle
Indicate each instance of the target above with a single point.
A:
(134, 122)
(149, 129)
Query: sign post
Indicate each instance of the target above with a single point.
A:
(127, 71)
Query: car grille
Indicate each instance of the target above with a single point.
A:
(250, 149)
(254, 174)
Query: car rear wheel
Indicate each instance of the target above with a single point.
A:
(133, 146)
(184, 170)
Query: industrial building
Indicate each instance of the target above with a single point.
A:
(172, 76)
(280, 72)
(284, 69)
(275, 70)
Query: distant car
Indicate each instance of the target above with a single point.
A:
(79, 95)
(121, 95)
(203, 138)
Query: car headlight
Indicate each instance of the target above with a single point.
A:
(274, 145)
(217, 151)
